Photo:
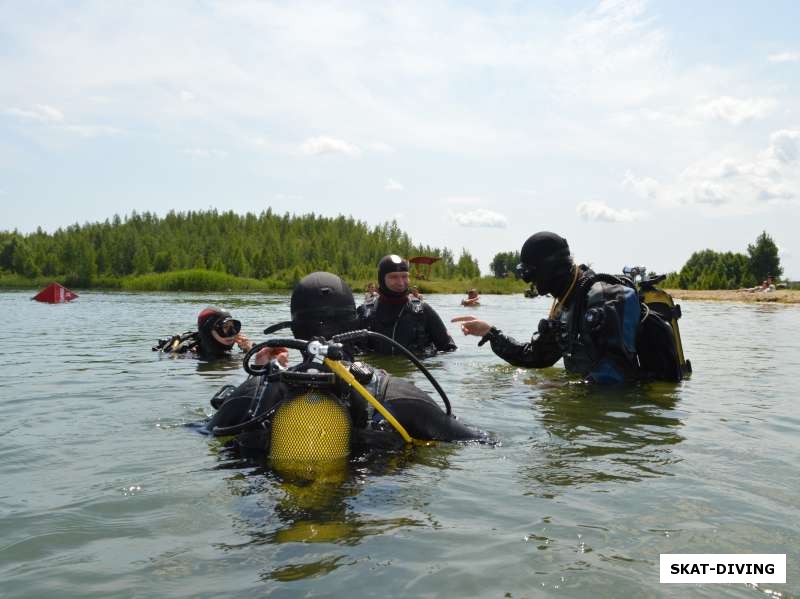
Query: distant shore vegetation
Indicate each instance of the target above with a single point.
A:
(216, 251)
(708, 269)
(213, 251)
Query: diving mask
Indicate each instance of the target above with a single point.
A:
(228, 327)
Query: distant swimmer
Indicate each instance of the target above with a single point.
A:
(216, 335)
(472, 299)
(601, 325)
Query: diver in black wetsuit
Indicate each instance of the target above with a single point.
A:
(406, 319)
(594, 323)
(322, 306)
(217, 334)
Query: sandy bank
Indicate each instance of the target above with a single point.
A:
(782, 296)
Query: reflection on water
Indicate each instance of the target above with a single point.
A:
(283, 507)
(598, 434)
(233, 363)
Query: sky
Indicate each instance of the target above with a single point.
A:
(640, 131)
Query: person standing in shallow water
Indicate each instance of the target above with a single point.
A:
(592, 324)
(395, 313)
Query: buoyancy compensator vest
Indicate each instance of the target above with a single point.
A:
(597, 330)
(613, 331)
(178, 344)
(408, 325)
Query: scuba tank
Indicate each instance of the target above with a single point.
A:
(659, 347)
(178, 344)
(308, 417)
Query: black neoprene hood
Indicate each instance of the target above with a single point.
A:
(321, 304)
(541, 246)
(391, 263)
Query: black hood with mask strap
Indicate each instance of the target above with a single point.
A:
(547, 262)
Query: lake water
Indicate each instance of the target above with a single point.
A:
(105, 492)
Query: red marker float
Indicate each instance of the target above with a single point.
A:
(55, 294)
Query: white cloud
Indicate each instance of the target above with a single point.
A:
(734, 110)
(601, 212)
(316, 146)
(708, 192)
(40, 112)
(187, 96)
(644, 187)
(743, 185)
(392, 185)
(784, 57)
(783, 146)
(205, 153)
(480, 217)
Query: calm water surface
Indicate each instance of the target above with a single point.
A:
(106, 494)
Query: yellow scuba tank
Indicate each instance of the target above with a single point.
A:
(312, 425)
(311, 430)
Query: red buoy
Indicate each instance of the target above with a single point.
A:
(55, 294)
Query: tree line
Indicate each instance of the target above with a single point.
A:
(708, 269)
(705, 269)
(281, 248)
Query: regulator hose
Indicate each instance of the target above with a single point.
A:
(302, 345)
(360, 334)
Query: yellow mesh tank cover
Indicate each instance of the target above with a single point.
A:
(310, 427)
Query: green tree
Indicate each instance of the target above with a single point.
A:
(22, 261)
(141, 260)
(504, 264)
(83, 266)
(467, 266)
(164, 261)
(764, 261)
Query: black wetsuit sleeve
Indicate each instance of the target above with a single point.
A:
(542, 350)
(438, 332)
(421, 416)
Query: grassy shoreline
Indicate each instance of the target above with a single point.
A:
(207, 280)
